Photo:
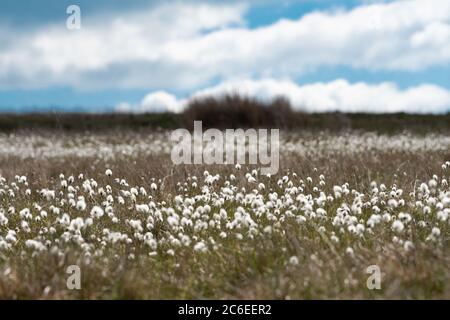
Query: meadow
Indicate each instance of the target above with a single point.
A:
(112, 203)
(354, 193)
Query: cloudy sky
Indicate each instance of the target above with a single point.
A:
(324, 55)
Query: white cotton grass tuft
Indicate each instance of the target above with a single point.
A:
(436, 231)
(293, 261)
(81, 204)
(350, 252)
(200, 247)
(97, 212)
(398, 226)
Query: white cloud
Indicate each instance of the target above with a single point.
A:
(154, 102)
(338, 95)
(124, 50)
(186, 45)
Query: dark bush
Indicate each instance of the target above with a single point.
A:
(237, 111)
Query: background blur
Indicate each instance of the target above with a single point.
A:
(152, 56)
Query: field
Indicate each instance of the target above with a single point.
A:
(111, 202)
(224, 157)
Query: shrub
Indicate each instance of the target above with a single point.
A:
(237, 111)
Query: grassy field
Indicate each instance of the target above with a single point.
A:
(112, 203)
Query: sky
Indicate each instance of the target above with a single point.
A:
(152, 56)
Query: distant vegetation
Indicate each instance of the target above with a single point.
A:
(229, 111)
(234, 111)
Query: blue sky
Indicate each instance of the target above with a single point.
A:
(139, 56)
